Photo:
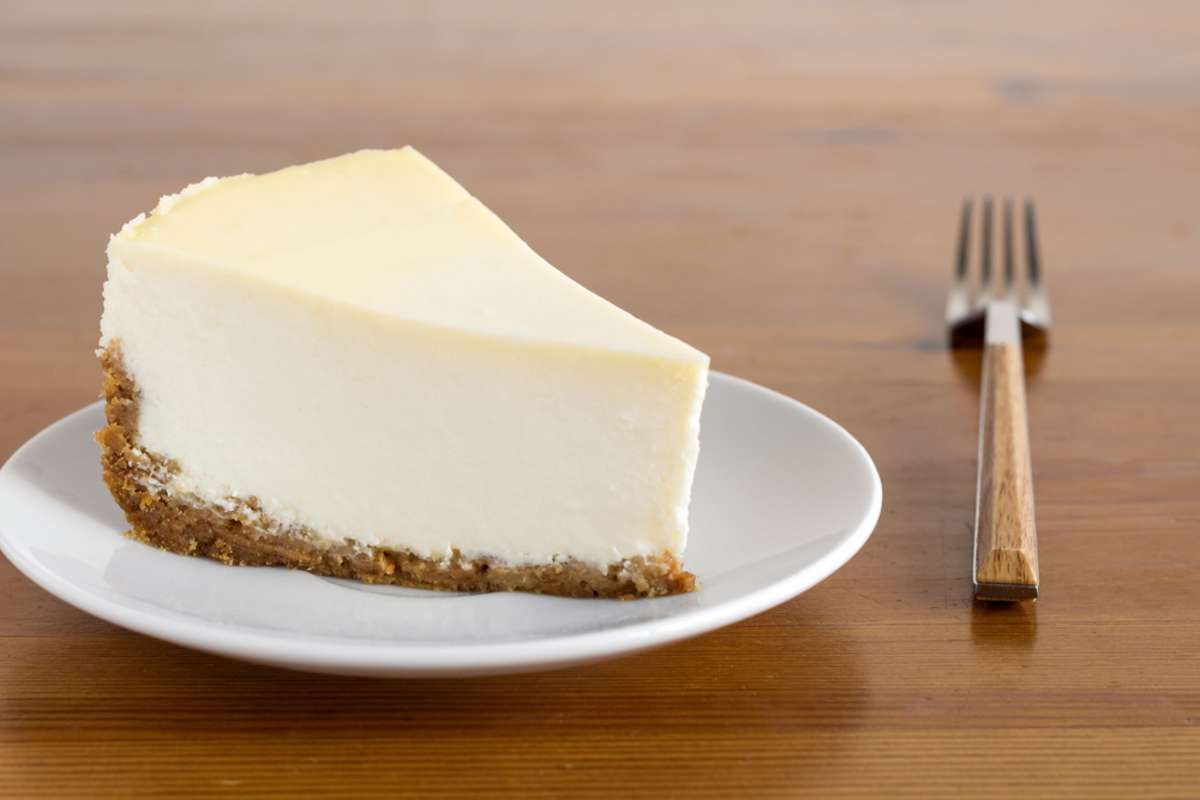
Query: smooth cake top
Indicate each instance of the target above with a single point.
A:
(384, 232)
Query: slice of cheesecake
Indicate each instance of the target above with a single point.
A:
(354, 368)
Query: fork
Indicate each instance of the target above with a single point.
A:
(1003, 318)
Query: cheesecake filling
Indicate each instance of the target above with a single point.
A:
(428, 439)
(238, 532)
(318, 356)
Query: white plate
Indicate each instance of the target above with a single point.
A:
(783, 497)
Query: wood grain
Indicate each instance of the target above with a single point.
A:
(1006, 555)
(778, 184)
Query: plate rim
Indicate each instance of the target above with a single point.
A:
(400, 659)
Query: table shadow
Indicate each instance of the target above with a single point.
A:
(968, 363)
(1004, 626)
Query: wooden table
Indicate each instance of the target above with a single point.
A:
(777, 186)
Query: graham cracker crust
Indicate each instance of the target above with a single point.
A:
(239, 533)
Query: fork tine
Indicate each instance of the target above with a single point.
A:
(1036, 310)
(958, 299)
(985, 244)
(964, 242)
(968, 301)
(1009, 268)
(1031, 246)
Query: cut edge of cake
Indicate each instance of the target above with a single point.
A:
(238, 532)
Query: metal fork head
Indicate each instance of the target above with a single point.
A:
(966, 309)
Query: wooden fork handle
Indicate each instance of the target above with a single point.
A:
(1006, 558)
